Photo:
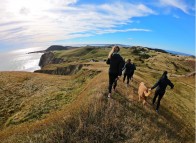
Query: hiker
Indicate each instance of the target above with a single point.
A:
(129, 70)
(160, 88)
(116, 63)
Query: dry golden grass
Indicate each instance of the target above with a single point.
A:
(89, 116)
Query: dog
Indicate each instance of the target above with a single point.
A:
(143, 92)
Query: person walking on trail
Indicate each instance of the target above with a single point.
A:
(160, 88)
(116, 63)
(129, 70)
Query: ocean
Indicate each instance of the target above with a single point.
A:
(19, 60)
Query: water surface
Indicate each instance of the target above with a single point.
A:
(19, 60)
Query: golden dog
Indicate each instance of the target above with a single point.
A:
(143, 92)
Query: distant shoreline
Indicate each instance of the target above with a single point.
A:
(60, 47)
(179, 53)
(42, 51)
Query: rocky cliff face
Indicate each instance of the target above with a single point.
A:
(68, 70)
(49, 58)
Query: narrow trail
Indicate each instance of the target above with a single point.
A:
(130, 92)
(129, 95)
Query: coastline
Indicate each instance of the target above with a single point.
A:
(20, 60)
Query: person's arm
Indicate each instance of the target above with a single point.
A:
(124, 67)
(155, 85)
(109, 56)
(108, 61)
(121, 65)
(134, 66)
(170, 84)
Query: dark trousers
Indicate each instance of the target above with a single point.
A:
(128, 76)
(160, 95)
(112, 81)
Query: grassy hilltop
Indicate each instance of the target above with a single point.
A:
(69, 103)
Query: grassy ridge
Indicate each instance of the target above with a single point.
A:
(120, 119)
(28, 96)
(79, 111)
(154, 60)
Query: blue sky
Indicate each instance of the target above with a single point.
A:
(164, 24)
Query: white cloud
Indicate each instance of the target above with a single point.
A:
(42, 21)
(180, 4)
(124, 30)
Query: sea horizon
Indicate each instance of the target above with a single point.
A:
(20, 60)
(23, 60)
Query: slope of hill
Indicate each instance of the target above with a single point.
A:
(39, 107)
(58, 47)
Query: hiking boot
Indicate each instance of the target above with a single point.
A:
(157, 111)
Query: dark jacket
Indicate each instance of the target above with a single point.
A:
(162, 84)
(129, 68)
(116, 63)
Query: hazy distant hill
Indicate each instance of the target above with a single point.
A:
(179, 53)
(66, 100)
(53, 48)
(58, 47)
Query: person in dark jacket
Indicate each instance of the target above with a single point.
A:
(116, 63)
(160, 86)
(129, 70)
